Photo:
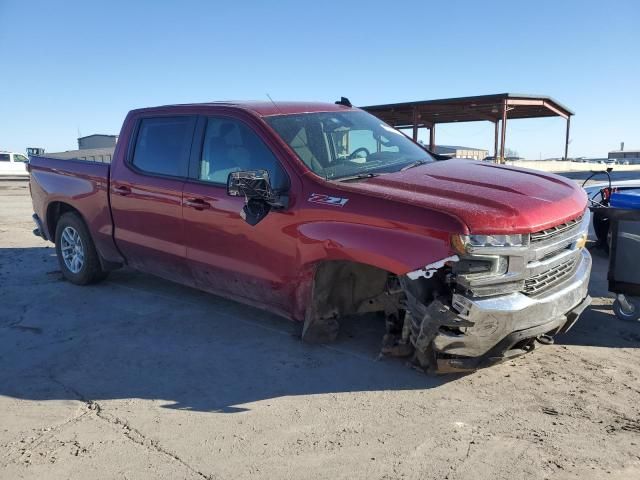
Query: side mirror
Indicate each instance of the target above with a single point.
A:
(255, 187)
(251, 184)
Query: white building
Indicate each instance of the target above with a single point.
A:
(631, 156)
(456, 151)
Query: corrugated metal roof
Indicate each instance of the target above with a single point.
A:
(469, 109)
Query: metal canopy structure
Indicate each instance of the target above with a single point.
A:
(496, 108)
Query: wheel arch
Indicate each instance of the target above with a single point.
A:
(328, 247)
(333, 288)
(55, 210)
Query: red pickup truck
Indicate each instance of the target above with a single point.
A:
(316, 211)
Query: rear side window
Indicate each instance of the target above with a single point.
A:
(163, 145)
(4, 157)
(19, 158)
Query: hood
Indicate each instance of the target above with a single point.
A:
(488, 198)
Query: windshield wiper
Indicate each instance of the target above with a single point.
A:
(417, 163)
(358, 176)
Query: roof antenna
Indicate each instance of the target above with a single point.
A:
(274, 103)
(344, 101)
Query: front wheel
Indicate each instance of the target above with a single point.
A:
(76, 252)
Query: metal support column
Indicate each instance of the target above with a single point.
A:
(432, 138)
(495, 144)
(415, 124)
(504, 130)
(566, 140)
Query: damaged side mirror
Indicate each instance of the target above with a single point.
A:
(255, 187)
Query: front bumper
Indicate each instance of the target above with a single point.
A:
(495, 328)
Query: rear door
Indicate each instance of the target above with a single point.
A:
(146, 196)
(226, 255)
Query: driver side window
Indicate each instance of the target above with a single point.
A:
(232, 146)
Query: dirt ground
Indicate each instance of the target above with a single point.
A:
(141, 378)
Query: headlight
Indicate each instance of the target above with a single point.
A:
(461, 242)
(495, 240)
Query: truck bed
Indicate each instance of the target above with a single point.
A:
(78, 185)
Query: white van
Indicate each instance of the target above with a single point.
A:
(13, 164)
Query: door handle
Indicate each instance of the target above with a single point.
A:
(197, 203)
(122, 190)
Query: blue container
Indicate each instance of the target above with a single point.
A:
(627, 199)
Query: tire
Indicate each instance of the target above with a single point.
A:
(632, 315)
(76, 251)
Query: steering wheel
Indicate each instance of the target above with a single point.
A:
(354, 154)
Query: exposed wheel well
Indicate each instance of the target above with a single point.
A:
(343, 288)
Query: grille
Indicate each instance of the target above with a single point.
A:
(555, 253)
(553, 232)
(539, 283)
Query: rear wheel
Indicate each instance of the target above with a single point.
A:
(76, 252)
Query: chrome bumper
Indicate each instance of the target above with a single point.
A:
(493, 320)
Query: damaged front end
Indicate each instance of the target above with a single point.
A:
(497, 297)
(491, 301)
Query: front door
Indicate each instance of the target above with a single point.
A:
(227, 255)
(146, 197)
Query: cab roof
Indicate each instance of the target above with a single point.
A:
(261, 108)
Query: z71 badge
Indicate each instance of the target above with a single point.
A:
(328, 200)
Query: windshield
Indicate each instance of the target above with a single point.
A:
(337, 145)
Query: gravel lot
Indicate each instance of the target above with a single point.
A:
(141, 378)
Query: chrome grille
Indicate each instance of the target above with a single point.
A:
(550, 258)
(553, 232)
(539, 283)
(555, 253)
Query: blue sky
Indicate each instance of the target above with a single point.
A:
(72, 66)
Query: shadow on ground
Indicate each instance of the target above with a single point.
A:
(136, 336)
(598, 326)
